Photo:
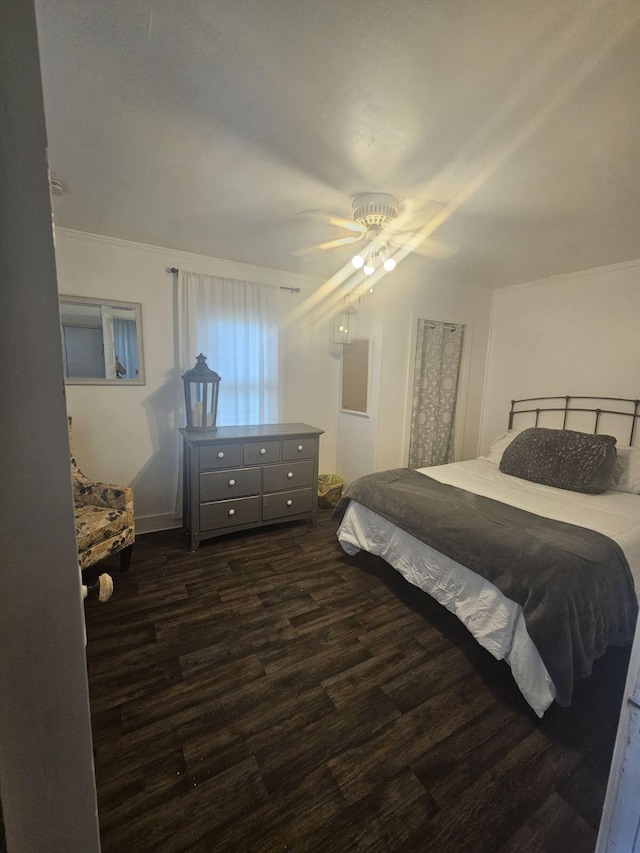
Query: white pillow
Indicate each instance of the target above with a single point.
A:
(499, 445)
(626, 474)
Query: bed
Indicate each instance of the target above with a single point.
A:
(586, 572)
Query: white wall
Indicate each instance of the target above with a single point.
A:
(357, 434)
(129, 434)
(411, 292)
(574, 334)
(310, 376)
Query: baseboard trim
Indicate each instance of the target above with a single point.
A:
(154, 523)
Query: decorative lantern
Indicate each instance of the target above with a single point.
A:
(345, 325)
(201, 396)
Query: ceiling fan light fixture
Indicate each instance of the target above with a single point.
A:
(380, 226)
(388, 263)
(375, 209)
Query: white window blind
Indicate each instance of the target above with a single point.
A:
(82, 349)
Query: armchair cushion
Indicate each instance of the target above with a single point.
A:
(105, 547)
(95, 524)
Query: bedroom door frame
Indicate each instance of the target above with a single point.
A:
(46, 749)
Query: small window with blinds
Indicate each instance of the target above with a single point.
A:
(83, 352)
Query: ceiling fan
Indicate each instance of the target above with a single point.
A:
(379, 223)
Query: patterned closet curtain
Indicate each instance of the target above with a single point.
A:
(435, 387)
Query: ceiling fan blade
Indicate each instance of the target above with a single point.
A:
(341, 241)
(429, 247)
(344, 223)
(329, 218)
(414, 211)
(330, 244)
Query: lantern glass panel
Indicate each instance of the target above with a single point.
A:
(201, 396)
(345, 326)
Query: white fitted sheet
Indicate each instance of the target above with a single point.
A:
(495, 621)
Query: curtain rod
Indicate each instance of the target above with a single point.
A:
(448, 328)
(175, 271)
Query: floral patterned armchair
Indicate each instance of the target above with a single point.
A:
(104, 519)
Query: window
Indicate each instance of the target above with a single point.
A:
(235, 324)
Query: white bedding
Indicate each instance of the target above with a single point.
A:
(495, 621)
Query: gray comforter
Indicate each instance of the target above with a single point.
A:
(574, 585)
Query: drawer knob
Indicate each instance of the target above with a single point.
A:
(221, 454)
(232, 482)
(232, 512)
(263, 450)
(290, 474)
(289, 502)
(300, 447)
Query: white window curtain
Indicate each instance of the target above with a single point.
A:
(125, 340)
(435, 389)
(235, 324)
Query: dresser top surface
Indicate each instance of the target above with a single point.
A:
(237, 433)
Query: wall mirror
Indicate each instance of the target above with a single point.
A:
(101, 341)
(355, 377)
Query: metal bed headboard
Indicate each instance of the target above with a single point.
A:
(568, 408)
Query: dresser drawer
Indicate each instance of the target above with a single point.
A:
(220, 456)
(241, 477)
(234, 483)
(286, 503)
(289, 476)
(256, 452)
(214, 516)
(298, 448)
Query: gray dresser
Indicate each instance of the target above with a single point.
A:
(247, 476)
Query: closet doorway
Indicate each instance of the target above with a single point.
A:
(434, 393)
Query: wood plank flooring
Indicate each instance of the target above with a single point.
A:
(270, 693)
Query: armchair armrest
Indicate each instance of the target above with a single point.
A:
(102, 494)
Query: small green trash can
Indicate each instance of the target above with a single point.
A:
(329, 490)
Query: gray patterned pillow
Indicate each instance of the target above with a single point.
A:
(562, 458)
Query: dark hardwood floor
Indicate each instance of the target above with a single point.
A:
(269, 693)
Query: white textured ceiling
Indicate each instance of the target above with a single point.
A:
(209, 126)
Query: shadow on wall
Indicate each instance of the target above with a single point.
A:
(159, 480)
